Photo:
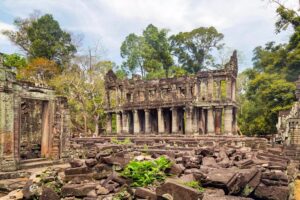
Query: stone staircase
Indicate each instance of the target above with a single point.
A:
(36, 163)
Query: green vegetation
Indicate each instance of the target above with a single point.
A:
(268, 87)
(126, 141)
(144, 173)
(42, 37)
(194, 184)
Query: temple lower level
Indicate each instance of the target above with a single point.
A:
(174, 120)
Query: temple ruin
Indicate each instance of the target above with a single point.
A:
(34, 122)
(288, 125)
(204, 103)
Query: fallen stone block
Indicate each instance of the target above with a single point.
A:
(176, 169)
(77, 170)
(178, 191)
(145, 193)
(49, 194)
(271, 192)
(90, 162)
(77, 190)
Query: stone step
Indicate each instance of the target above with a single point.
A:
(32, 160)
(37, 164)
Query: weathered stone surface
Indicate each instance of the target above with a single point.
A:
(77, 190)
(145, 193)
(90, 162)
(76, 163)
(49, 194)
(271, 192)
(101, 190)
(177, 169)
(209, 162)
(178, 191)
(77, 170)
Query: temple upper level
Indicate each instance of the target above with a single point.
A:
(206, 88)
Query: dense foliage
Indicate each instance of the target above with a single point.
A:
(153, 54)
(146, 172)
(42, 37)
(269, 86)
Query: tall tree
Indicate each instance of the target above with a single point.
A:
(158, 50)
(149, 53)
(194, 49)
(83, 84)
(132, 51)
(42, 37)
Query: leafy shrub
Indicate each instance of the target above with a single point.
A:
(194, 184)
(144, 173)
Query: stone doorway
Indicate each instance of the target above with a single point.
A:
(34, 129)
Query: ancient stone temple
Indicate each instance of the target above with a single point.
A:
(203, 103)
(33, 122)
(288, 125)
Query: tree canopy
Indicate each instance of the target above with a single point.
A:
(194, 49)
(269, 86)
(42, 37)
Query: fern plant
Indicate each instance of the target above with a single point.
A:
(144, 173)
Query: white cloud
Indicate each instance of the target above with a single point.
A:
(245, 23)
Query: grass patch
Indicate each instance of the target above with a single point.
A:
(126, 141)
(194, 184)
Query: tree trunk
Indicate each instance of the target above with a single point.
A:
(85, 124)
(96, 121)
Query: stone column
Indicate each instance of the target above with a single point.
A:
(210, 88)
(160, 121)
(201, 121)
(228, 120)
(147, 122)
(210, 121)
(218, 92)
(109, 123)
(218, 120)
(188, 118)
(233, 90)
(228, 89)
(125, 127)
(195, 120)
(136, 122)
(196, 90)
(118, 122)
(174, 120)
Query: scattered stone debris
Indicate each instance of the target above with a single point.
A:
(218, 173)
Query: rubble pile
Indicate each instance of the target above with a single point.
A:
(222, 173)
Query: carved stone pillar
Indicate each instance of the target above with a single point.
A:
(233, 86)
(218, 92)
(196, 90)
(201, 122)
(228, 120)
(118, 122)
(218, 120)
(188, 118)
(210, 88)
(147, 122)
(210, 121)
(195, 120)
(125, 122)
(174, 120)
(160, 118)
(228, 89)
(109, 123)
(136, 122)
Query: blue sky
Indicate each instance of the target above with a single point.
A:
(245, 23)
